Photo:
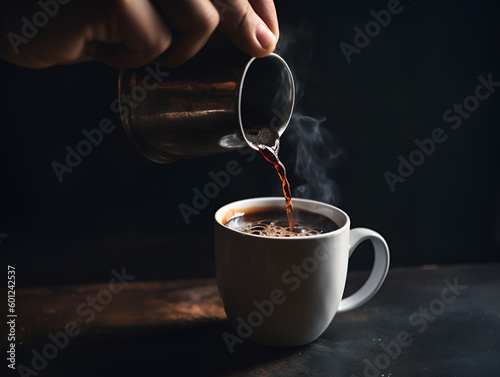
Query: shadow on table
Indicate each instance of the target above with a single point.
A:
(192, 351)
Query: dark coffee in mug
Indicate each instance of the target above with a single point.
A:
(273, 222)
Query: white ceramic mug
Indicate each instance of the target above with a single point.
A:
(285, 291)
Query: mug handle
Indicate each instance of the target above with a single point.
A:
(379, 271)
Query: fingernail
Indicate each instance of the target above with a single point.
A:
(265, 37)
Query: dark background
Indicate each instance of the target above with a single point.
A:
(117, 209)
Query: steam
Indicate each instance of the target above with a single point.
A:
(316, 152)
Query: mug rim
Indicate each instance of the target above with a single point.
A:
(218, 217)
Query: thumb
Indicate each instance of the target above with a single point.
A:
(245, 28)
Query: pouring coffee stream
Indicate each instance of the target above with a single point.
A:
(268, 143)
(271, 155)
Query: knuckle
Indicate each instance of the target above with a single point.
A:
(162, 45)
(238, 18)
(210, 21)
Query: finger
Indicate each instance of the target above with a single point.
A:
(266, 10)
(192, 23)
(244, 27)
(62, 41)
(129, 35)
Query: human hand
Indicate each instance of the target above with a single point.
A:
(130, 33)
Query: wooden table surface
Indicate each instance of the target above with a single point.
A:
(174, 328)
